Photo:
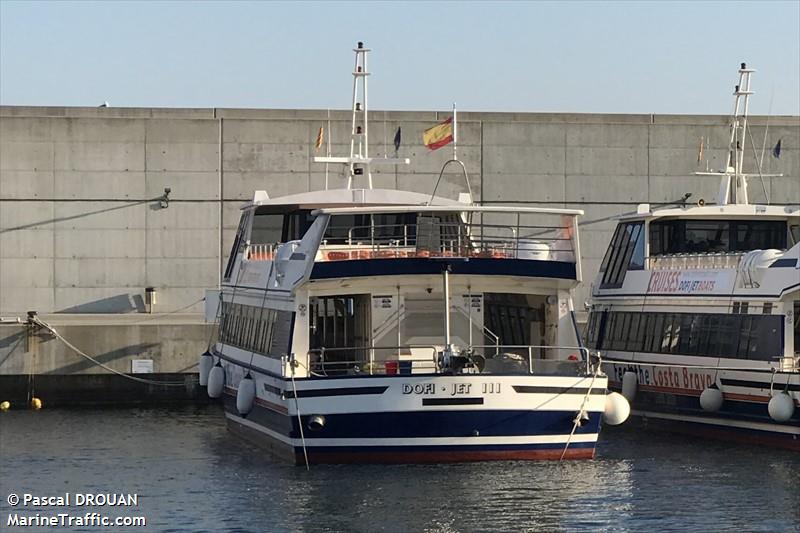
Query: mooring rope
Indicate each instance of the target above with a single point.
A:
(299, 419)
(51, 329)
(577, 420)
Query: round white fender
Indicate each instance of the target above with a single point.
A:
(205, 364)
(781, 407)
(617, 409)
(711, 399)
(246, 394)
(630, 382)
(216, 380)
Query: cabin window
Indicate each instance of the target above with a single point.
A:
(267, 228)
(732, 336)
(758, 234)
(296, 225)
(626, 252)
(256, 329)
(714, 236)
(238, 244)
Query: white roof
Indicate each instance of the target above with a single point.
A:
(744, 211)
(351, 198)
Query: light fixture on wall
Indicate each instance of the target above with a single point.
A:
(164, 201)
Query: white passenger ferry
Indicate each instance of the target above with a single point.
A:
(699, 309)
(368, 325)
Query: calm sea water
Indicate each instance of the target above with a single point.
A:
(190, 474)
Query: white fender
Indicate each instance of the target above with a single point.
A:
(711, 399)
(617, 409)
(246, 394)
(630, 382)
(216, 380)
(781, 407)
(205, 364)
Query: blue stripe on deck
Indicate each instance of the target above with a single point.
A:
(478, 266)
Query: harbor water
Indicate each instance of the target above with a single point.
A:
(189, 474)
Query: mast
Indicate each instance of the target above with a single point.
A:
(733, 180)
(359, 162)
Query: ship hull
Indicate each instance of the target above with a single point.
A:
(531, 418)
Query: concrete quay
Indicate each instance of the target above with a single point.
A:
(85, 228)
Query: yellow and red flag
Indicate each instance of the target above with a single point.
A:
(439, 135)
(320, 138)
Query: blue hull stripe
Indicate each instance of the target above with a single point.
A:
(474, 266)
(486, 423)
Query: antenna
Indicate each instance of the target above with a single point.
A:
(733, 181)
(359, 161)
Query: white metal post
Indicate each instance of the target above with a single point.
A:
(446, 281)
(455, 133)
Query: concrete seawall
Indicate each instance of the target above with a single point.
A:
(83, 230)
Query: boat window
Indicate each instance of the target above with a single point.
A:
(758, 235)
(267, 228)
(633, 332)
(794, 234)
(732, 336)
(797, 327)
(238, 244)
(256, 329)
(626, 252)
(379, 228)
(296, 225)
(714, 236)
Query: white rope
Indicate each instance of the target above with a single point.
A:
(297, 409)
(577, 420)
(52, 330)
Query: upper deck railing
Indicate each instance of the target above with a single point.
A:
(446, 231)
(712, 260)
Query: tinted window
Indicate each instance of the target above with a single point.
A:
(710, 236)
(733, 336)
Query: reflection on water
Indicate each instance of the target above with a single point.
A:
(191, 474)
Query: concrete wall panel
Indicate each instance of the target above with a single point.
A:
(99, 156)
(182, 156)
(26, 184)
(103, 215)
(26, 243)
(27, 272)
(93, 130)
(100, 185)
(103, 272)
(191, 186)
(26, 155)
(100, 243)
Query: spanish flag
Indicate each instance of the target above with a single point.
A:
(439, 135)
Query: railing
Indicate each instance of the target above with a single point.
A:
(523, 359)
(324, 361)
(261, 252)
(579, 360)
(713, 260)
(445, 239)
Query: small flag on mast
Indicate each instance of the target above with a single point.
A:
(700, 151)
(776, 152)
(320, 138)
(397, 140)
(439, 135)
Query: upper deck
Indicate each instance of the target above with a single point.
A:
(381, 233)
(700, 250)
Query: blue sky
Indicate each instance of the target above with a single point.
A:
(614, 57)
